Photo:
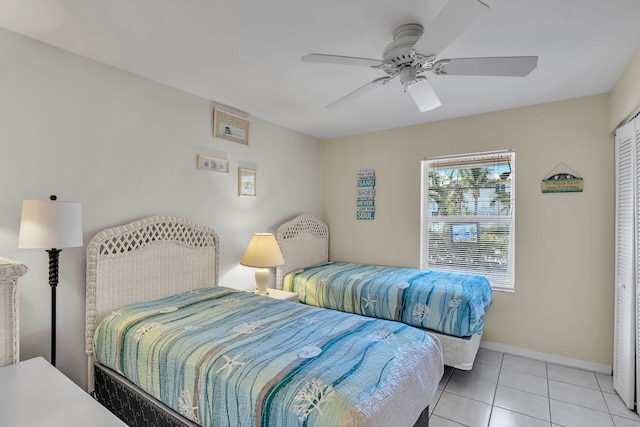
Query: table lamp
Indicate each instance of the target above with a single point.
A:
(51, 225)
(263, 252)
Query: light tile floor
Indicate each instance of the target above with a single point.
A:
(503, 390)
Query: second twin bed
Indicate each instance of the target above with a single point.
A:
(451, 306)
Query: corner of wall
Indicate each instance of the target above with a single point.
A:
(624, 98)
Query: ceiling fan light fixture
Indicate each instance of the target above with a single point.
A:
(409, 76)
(423, 95)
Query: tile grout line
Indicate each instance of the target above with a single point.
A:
(613, 422)
(546, 368)
(495, 392)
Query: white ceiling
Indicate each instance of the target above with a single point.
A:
(246, 53)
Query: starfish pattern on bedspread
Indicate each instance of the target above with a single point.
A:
(230, 364)
(368, 301)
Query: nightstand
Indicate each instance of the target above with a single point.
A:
(280, 294)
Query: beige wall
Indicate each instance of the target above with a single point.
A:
(563, 299)
(624, 99)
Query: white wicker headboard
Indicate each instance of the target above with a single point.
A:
(146, 260)
(304, 241)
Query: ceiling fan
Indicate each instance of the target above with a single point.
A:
(413, 51)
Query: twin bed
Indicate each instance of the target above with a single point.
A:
(450, 306)
(167, 346)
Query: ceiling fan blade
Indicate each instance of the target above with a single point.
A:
(360, 91)
(342, 60)
(451, 22)
(424, 96)
(517, 66)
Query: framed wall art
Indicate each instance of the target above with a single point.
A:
(230, 127)
(213, 163)
(246, 182)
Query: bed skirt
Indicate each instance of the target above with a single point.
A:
(137, 409)
(460, 352)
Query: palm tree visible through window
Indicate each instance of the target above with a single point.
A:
(475, 178)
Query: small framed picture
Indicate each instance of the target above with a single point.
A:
(213, 163)
(230, 127)
(246, 182)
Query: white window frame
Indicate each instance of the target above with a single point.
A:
(503, 281)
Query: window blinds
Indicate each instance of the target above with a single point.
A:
(468, 215)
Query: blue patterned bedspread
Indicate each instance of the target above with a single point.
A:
(223, 357)
(451, 303)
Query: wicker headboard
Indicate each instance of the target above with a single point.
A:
(304, 241)
(146, 260)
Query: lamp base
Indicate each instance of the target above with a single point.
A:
(263, 276)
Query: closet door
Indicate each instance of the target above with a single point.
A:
(635, 131)
(624, 360)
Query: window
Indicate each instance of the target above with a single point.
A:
(467, 216)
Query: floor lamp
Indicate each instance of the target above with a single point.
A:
(51, 225)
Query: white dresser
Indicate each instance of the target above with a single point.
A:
(35, 394)
(10, 271)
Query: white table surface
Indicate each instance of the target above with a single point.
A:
(33, 393)
(280, 294)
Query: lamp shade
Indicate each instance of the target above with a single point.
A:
(263, 251)
(50, 224)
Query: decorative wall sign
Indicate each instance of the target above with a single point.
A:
(230, 127)
(365, 204)
(560, 181)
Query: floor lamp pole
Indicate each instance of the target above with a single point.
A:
(54, 254)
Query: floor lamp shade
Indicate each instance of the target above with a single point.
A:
(49, 224)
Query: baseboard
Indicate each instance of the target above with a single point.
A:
(547, 357)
